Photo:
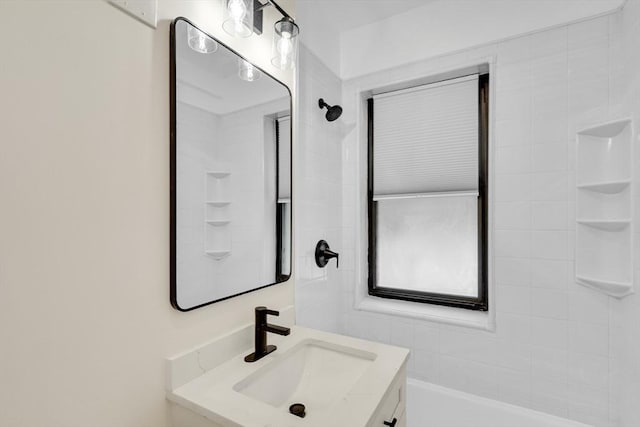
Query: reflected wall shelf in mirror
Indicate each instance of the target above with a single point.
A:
(230, 162)
(217, 214)
(604, 209)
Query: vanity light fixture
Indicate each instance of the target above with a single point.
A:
(285, 43)
(247, 71)
(239, 22)
(242, 23)
(200, 42)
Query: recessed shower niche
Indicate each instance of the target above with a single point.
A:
(604, 209)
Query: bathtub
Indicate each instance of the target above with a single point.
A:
(429, 405)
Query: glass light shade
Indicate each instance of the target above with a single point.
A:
(247, 71)
(200, 42)
(285, 44)
(239, 21)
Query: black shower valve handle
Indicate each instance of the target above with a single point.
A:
(330, 254)
(324, 254)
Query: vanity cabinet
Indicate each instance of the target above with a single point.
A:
(183, 417)
(393, 405)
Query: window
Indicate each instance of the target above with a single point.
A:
(427, 193)
(283, 209)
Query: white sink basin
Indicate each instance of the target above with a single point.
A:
(340, 380)
(315, 373)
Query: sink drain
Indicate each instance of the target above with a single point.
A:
(298, 410)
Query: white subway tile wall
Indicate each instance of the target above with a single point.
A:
(553, 348)
(624, 326)
(557, 347)
(318, 197)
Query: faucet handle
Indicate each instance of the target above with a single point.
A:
(263, 311)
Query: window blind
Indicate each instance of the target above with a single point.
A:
(425, 139)
(284, 159)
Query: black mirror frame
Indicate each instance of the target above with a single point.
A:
(172, 168)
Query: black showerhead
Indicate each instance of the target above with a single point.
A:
(332, 112)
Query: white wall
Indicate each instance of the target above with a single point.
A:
(314, 32)
(625, 326)
(319, 196)
(196, 154)
(446, 26)
(209, 142)
(84, 183)
(550, 349)
(252, 191)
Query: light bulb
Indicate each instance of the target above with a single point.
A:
(239, 26)
(285, 47)
(285, 43)
(237, 10)
(247, 71)
(240, 21)
(202, 45)
(200, 42)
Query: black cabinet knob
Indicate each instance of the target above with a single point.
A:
(391, 423)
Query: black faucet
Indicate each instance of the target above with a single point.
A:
(262, 327)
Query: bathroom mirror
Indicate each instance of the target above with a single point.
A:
(230, 172)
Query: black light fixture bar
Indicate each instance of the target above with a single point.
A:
(279, 9)
(258, 14)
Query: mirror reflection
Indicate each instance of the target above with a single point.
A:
(231, 173)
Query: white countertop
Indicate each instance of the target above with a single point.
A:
(211, 392)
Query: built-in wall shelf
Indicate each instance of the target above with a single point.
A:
(219, 174)
(217, 222)
(616, 289)
(218, 254)
(607, 130)
(611, 187)
(217, 214)
(604, 208)
(606, 225)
